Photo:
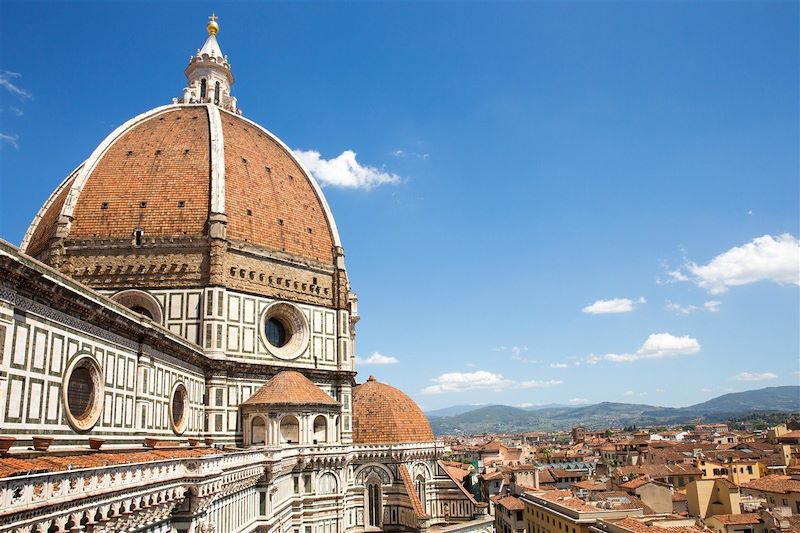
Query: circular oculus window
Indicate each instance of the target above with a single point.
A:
(82, 393)
(178, 407)
(284, 330)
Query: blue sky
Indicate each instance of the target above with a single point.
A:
(533, 166)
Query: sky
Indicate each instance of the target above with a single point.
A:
(540, 202)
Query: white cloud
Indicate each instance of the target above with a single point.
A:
(402, 154)
(712, 306)
(593, 359)
(764, 258)
(629, 393)
(577, 401)
(524, 405)
(754, 376)
(559, 365)
(516, 353)
(481, 379)
(464, 381)
(377, 359)
(13, 140)
(536, 384)
(659, 391)
(344, 171)
(657, 346)
(10, 86)
(706, 390)
(614, 305)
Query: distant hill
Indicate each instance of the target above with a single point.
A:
(769, 398)
(451, 411)
(506, 419)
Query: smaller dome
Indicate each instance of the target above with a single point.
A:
(385, 415)
(290, 388)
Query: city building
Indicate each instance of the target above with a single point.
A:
(177, 347)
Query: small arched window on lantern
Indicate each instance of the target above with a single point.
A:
(216, 93)
(203, 87)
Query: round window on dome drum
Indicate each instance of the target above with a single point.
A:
(178, 407)
(82, 393)
(284, 330)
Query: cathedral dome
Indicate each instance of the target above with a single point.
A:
(385, 415)
(166, 172)
(192, 194)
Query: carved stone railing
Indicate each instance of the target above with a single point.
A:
(29, 491)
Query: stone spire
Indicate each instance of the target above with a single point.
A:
(209, 74)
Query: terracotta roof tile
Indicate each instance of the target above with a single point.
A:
(512, 503)
(776, 484)
(412, 493)
(10, 466)
(290, 388)
(737, 519)
(383, 415)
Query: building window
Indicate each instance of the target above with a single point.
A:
(374, 504)
(289, 430)
(276, 333)
(421, 489)
(178, 409)
(320, 430)
(138, 234)
(203, 86)
(258, 431)
(284, 330)
(326, 484)
(216, 93)
(83, 394)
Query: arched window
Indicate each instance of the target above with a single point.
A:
(290, 430)
(203, 86)
(258, 431)
(216, 93)
(374, 504)
(421, 489)
(326, 483)
(320, 430)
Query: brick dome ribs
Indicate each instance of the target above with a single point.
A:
(193, 195)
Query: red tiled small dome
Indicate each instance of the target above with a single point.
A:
(290, 388)
(385, 415)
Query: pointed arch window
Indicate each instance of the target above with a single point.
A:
(421, 489)
(374, 504)
(203, 88)
(216, 93)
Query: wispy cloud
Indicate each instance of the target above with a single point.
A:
(765, 258)
(657, 346)
(559, 365)
(377, 359)
(516, 353)
(6, 82)
(539, 384)
(712, 306)
(402, 154)
(13, 140)
(345, 171)
(614, 305)
(577, 401)
(754, 376)
(481, 379)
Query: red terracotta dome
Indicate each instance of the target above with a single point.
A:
(385, 415)
(168, 171)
